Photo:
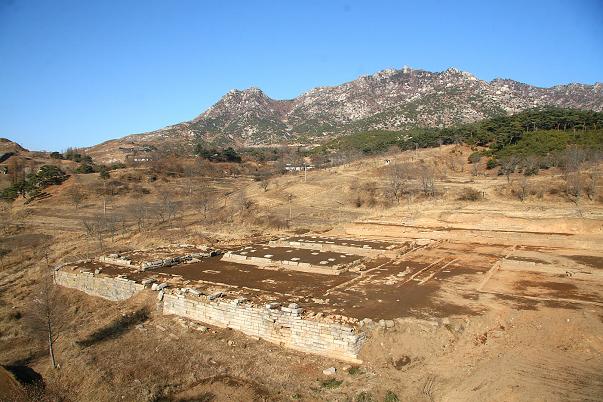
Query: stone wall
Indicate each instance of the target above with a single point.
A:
(281, 326)
(103, 286)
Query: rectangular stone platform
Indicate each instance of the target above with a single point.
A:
(362, 247)
(305, 260)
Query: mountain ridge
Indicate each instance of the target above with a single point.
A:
(388, 99)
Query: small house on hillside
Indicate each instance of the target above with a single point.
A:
(297, 168)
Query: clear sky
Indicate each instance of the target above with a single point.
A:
(76, 73)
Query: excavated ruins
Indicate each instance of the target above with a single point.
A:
(324, 294)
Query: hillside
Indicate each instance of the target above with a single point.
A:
(387, 100)
(7, 145)
(519, 283)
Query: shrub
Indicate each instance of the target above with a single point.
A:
(475, 157)
(84, 169)
(391, 397)
(531, 170)
(470, 194)
(354, 370)
(9, 193)
(104, 173)
(364, 397)
(331, 383)
(491, 164)
(117, 165)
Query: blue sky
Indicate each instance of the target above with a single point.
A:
(76, 73)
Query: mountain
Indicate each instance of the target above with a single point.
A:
(390, 99)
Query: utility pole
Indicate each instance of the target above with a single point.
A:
(105, 198)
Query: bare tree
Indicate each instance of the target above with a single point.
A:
(76, 195)
(593, 181)
(140, 211)
(100, 225)
(475, 169)
(243, 203)
(524, 188)
(88, 226)
(427, 178)
(531, 165)
(168, 208)
(573, 159)
(190, 171)
(508, 166)
(203, 202)
(46, 314)
(111, 222)
(397, 181)
(455, 163)
(97, 227)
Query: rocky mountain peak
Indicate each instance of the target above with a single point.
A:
(389, 99)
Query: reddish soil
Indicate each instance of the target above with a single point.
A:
(591, 261)
(554, 289)
(382, 294)
(283, 281)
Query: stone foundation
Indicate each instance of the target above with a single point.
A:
(284, 326)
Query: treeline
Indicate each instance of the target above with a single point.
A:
(72, 154)
(217, 155)
(532, 132)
